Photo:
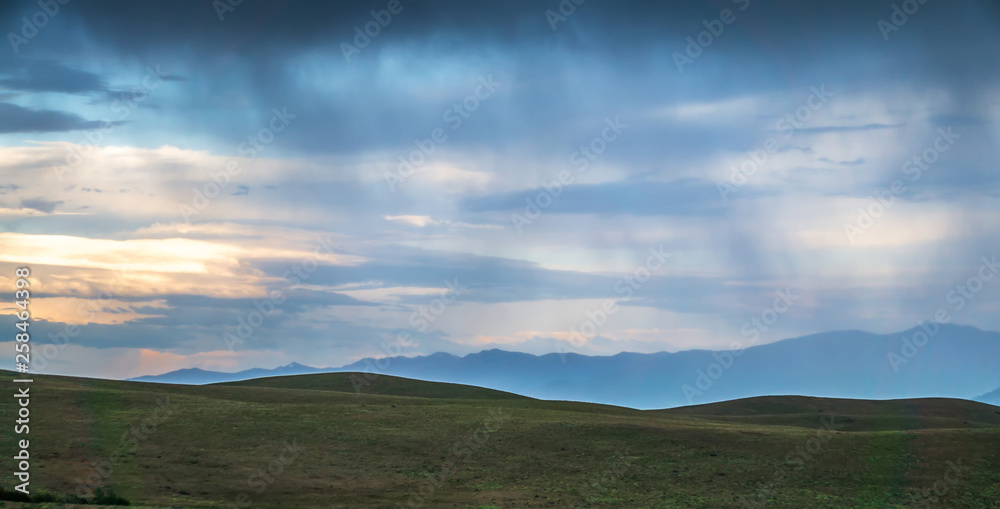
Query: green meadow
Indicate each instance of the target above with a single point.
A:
(311, 441)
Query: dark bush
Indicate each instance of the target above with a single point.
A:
(107, 496)
(73, 499)
(13, 495)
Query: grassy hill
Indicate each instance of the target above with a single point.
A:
(855, 414)
(383, 384)
(405, 443)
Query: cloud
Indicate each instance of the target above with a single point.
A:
(424, 221)
(958, 120)
(41, 204)
(688, 197)
(50, 76)
(23, 212)
(18, 119)
(846, 128)
(166, 76)
(418, 221)
(82, 266)
(855, 162)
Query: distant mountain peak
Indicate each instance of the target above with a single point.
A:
(437, 355)
(498, 351)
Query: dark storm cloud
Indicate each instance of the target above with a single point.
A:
(48, 76)
(18, 119)
(256, 53)
(266, 26)
(36, 76)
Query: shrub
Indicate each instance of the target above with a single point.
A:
(107, 496)
(13, 495)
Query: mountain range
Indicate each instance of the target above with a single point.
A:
(992, 398)
(933, 361)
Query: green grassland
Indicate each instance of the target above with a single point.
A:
(312, 441)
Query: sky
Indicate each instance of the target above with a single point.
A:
(227, 185)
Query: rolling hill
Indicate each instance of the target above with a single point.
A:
(310, 441)
(386, 386)
(855, 414)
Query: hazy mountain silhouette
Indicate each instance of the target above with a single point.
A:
(957, 361)
(992, 398)
(201, 376)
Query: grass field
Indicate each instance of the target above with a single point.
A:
(311, 441)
